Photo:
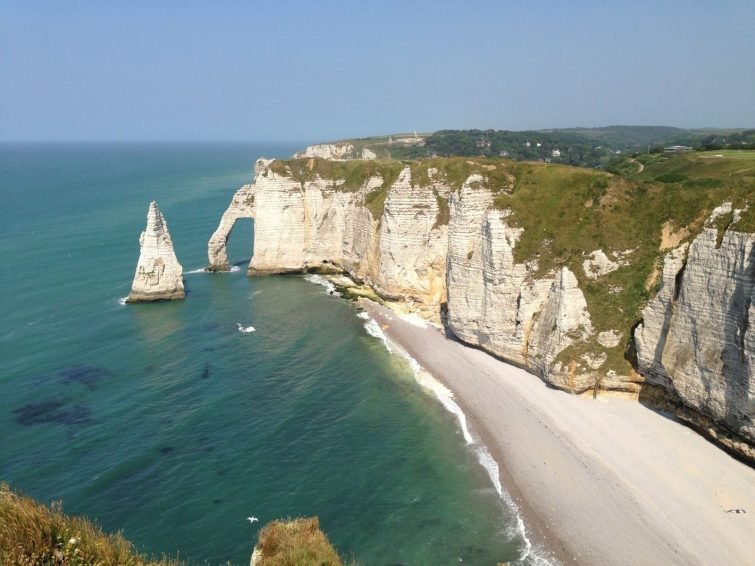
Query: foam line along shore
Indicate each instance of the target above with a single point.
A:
(591, 484)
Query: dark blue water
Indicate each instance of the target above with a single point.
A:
(165, 421)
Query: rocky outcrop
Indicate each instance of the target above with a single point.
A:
(443, 246)
(158, 276)
(318, 226)
(336, 151)
(242, 206)
(696, 337)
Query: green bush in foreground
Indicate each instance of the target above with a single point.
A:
(296, 542)
(32, 534)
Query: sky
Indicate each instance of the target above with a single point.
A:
(324, 70)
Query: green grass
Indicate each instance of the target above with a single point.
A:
(296, 542)
(347, 176)
(738, 154)
(32, 534)
(567, 212)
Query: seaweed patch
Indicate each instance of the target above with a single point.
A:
(52, 412)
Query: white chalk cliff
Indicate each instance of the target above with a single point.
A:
(696, 336)
(336, 151)
(158, 276)
(441, 249)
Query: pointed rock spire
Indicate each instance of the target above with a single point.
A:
(158, 276)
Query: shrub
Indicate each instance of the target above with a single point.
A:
(32, 534)
(295, 542)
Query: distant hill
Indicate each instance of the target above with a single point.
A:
(584, 147)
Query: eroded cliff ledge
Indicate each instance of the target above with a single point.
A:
(159, 276)
(591, 281)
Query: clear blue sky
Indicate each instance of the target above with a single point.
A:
(321, 70)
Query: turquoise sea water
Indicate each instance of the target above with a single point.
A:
(165, 421)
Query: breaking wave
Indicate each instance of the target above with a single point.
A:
(319, 280)
(245, 329)
(530, 555)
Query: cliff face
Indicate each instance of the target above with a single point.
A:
(317, 225)
(497, 304)
(697, 336)
(338, 150)
(443, 243)
(158, 276)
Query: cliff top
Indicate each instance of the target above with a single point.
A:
(33, 533)
(620, 225)
(584, 147)
(295, 542)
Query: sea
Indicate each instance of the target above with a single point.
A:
(256, 396)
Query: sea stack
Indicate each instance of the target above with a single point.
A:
(159, 276)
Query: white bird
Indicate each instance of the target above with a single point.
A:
(252, 519)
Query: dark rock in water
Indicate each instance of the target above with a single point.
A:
(74, 416)
(35, 413)
(473, 552)
(84, 374)
(80, 373)
(206, 372)
(51, 412)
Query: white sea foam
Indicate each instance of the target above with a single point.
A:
(235, 268)
(193, 271)
(530, 555)
(319, 280)
(257, 292)
(245, 329)
(122, 300)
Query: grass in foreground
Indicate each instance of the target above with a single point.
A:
(32, 534)
(296, 542)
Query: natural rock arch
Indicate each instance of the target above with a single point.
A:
(242, 206)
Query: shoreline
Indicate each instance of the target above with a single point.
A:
(597, 481)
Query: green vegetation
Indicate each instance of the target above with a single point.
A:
(444, 212)
(345, 175)
(568, 212)
(32, 534)
(584, 147)
(296, 542)
(736, 139)
(739, 154)
(454, 171)
(350, 175)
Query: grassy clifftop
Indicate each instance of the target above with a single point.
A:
(32, 534)
(295, 542)
(657, 202)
